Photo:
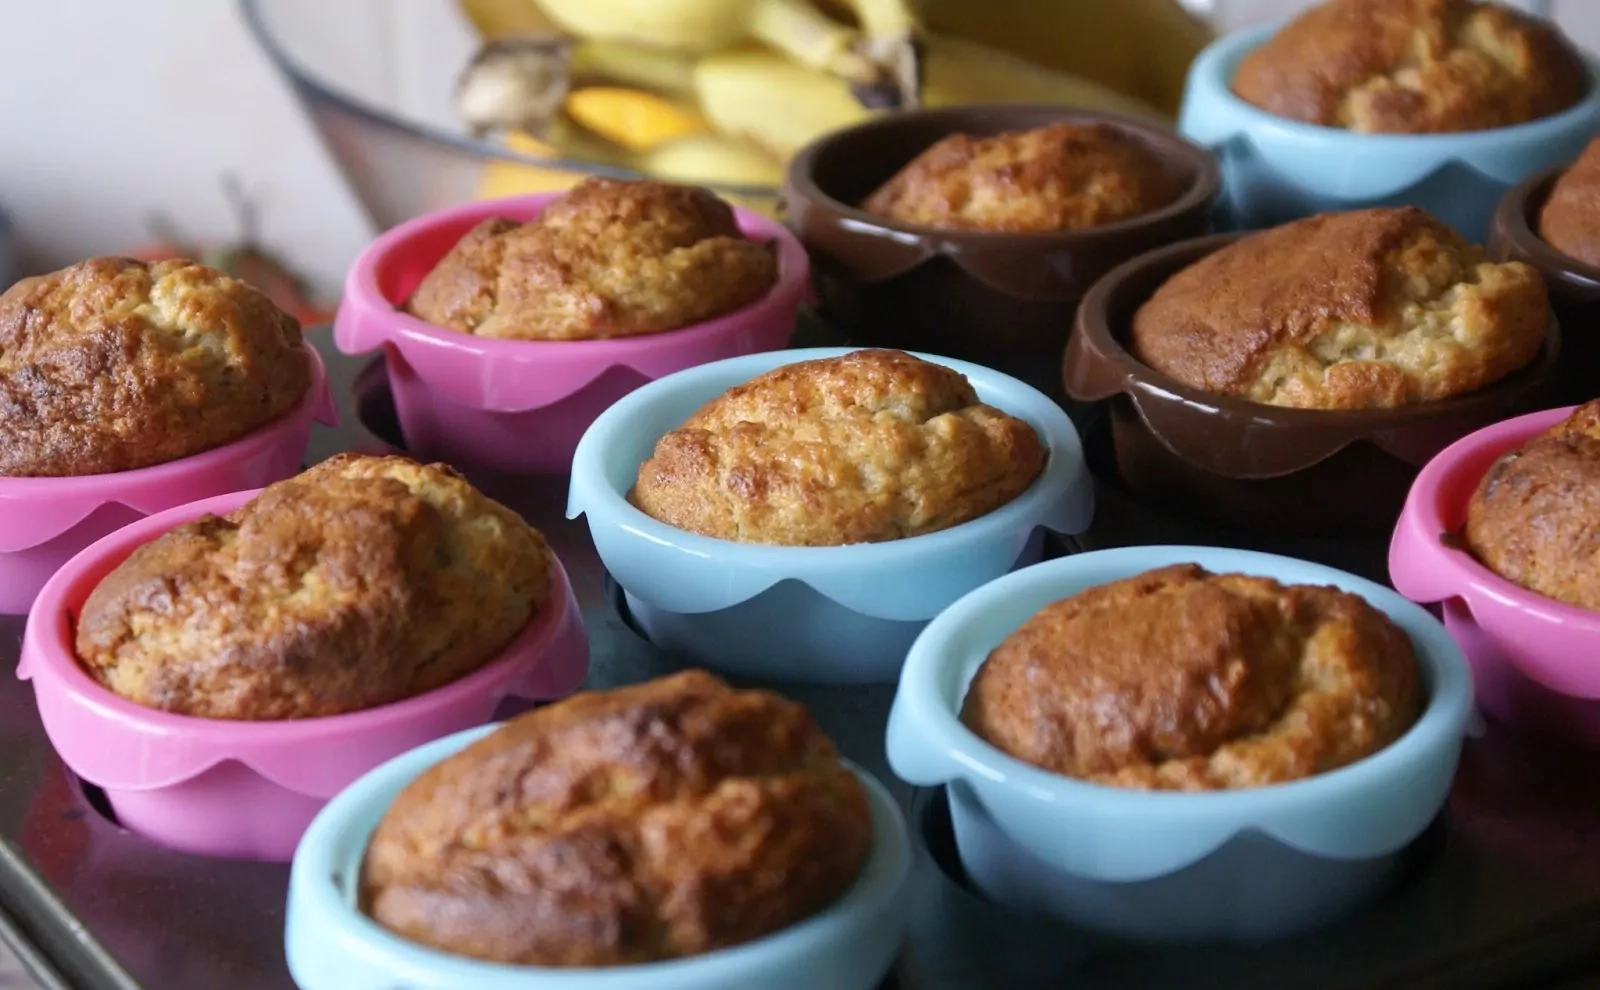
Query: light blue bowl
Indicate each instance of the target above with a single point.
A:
(331, 945)
(836, 615)
(1171, 866)
(1275, 169)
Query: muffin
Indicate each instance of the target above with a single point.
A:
(871, 446)
(363, 581)
(113, 364)
(1570, 219)
(1370, 309)
(1413, 66)
(1062, 176)
(607, 259)
(651, 822)
(1180, 679)
(1535, 517)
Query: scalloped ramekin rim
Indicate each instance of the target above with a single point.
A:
(594, 496)
(362, 290)
(1213, 70)
(49, 652)
(1424, 504)
(1448, 705)
(321, 866)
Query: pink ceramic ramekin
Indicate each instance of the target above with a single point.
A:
(520, 406)
(247, 790)
(44, 521)
(1535, 661)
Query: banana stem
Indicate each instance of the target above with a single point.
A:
(811, 38)
(887, 19)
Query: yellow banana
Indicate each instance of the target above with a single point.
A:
(781, 106)
(1139, 47)
(711, 158)
(632, 119)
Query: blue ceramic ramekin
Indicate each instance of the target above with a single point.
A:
(1275, 169)
(1164, 865)
(331, 945)
(838, 615)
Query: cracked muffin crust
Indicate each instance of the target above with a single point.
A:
(607, 259)
(1063, 176)
(1535, 517)
(1570, 219)
(1413, 66)
(650, 822)
(114, 364)
(1369, 309)
(360, 582)
(871, 446)
(1180, 679)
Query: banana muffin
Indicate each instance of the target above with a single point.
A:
(1413, 66)
(363, 581)
(650, 822)
(1060, 177)
(1369, 309)
(1535, 517)
(1570, 219)
(607, 259)
(1180, 679)
(871, 446)
(113, 364)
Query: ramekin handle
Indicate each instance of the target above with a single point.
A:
(915, 749)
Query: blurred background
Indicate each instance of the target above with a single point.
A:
(125, 119)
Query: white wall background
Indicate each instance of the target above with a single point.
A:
(116, 108)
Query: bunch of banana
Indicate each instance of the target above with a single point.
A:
(724, 91)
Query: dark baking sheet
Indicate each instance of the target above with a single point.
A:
(1506, 891)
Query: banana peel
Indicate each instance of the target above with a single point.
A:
(1138, 47)
(781, 106)
(631, 118)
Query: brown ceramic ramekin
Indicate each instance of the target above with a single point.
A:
(1255, 467)
(1574, 286)
(1004, 300)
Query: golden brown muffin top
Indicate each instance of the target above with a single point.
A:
(607, 259)
(871, 446)
(1413, 66)
(1369, 309)
(113, 364)
(1180, 679)
(649, 822)
(363, 581)
(1535, 517)
(1570, 219)
(1059, 177)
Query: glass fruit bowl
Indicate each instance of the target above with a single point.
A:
(376, 81)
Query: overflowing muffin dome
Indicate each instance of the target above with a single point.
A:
(1535, 517)
(607, 259)
(1063, 176)
(1570, 219)
(1369, 309)
(870, 446)
(1413, 66)
(360, 582)
(114, 364)
(1180, 679)
(650, 822)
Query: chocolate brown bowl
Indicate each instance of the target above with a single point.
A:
(1574, 285)
(1255, 467)
(1000, 299)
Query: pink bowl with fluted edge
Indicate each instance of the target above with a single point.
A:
(1535, 661)
(247, 790)
(520, 406)
(44, 521)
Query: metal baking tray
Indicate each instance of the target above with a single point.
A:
(1505, 890)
